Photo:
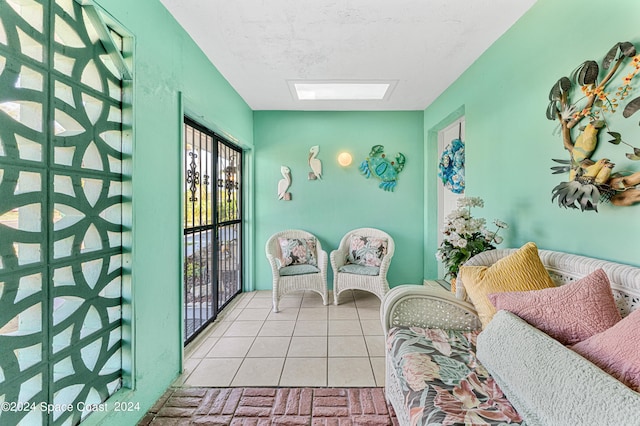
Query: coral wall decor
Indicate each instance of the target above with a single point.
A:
(592, 95)
(314, 163)
(451, 167)
(284, 184)
(380, 166)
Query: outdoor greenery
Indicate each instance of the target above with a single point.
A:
(197, 213)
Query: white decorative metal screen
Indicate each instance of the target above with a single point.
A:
(61, 220)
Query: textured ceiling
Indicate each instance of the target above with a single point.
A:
(421, 46)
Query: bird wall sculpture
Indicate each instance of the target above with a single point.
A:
(315, 163)
(592, 181)
(284, 184)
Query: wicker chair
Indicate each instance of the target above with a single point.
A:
(283, 284)
(376, 284)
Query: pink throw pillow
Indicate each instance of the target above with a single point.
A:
(570, 313)
(616, 350)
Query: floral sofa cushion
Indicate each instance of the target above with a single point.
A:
(443, 382)
(366, 251)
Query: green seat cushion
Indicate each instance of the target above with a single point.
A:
(351, 268)
(298, 270)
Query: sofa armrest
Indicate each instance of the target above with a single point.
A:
(548, 383)
(419, 306)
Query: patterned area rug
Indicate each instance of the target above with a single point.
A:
(271, 406)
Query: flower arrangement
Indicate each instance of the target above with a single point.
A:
(465, 236)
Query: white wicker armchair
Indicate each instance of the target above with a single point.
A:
(282, 285)
(376, 284)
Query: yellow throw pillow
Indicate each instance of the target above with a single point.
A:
(522, 270)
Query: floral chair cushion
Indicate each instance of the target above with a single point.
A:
(443, 382)
(296, 251)
(366, 251)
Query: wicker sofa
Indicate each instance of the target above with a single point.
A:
(511, 373)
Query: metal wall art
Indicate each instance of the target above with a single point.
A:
(284, 184)
(587, 94)
(378, 165)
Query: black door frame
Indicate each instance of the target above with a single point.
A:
(198, 173)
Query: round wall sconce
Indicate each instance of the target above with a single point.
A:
(344, 159)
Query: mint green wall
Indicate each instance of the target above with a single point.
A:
(167, 62)
(344, 199)
(510, 143)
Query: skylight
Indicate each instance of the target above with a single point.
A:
(341, 91)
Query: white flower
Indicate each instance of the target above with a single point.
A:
(464, 235)
(500, 224)
(476, 225)
(456, 214)
(470, 202)
(460, 226)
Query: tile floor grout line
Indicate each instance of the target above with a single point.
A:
(359, 308)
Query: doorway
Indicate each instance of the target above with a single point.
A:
(212, 226)
(447, 200)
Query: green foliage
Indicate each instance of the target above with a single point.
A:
(454, 257)
(200, 211)
(465, 236)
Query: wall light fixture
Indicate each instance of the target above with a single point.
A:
(344, 159)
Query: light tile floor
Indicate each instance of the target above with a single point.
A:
(305, 344)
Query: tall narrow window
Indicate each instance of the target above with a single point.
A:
(212, 225)
(61, 204)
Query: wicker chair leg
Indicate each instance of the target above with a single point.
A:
(325, 298)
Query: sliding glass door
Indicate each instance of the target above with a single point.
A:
(212, 225)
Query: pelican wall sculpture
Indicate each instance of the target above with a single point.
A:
(284, 184)
(315, 163)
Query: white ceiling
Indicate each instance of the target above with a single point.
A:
(421, 46)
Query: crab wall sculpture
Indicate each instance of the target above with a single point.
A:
(380, 166)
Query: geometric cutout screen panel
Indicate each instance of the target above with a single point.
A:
(61, 204)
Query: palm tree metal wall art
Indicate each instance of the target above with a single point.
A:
(592, 181)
